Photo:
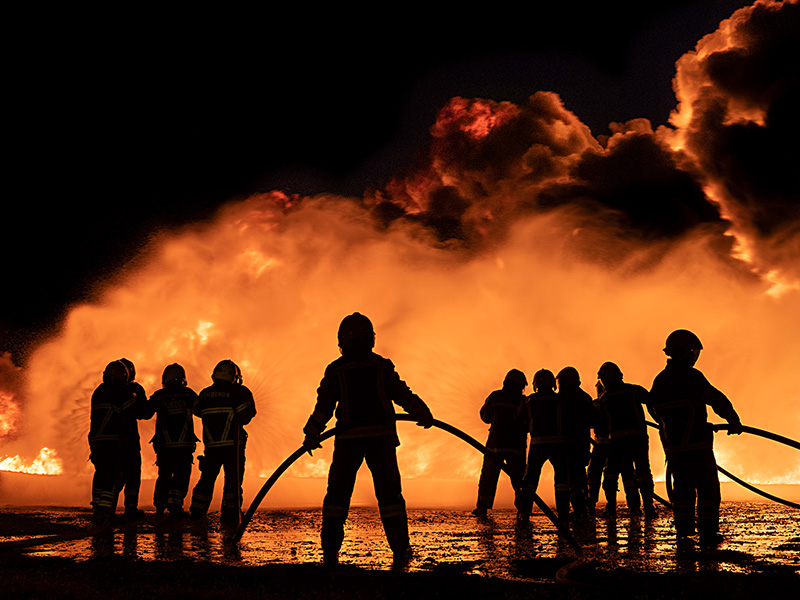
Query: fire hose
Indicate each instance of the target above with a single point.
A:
(562, 573)
(753, 431)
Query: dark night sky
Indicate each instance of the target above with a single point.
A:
(154, 120)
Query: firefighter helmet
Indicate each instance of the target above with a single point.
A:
(356, 328)
(115, 371)
(516, 378)
(226, 370)
(544, 380)
(681, 341)
(568, 377)
(609, 372)
(173, 373)
(130, 367)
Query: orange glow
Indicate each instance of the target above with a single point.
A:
(9, 415)
(46, 463)
(467, 267)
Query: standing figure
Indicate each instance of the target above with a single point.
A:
(508, 438)
(174, 440)
(225, 407)
(360, 387)
(596, 470)
(622, 411)
(678, 400)
(111, 406)
(549, 442)
(132, 448)
(579, 419)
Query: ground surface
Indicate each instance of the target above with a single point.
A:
(457, 556)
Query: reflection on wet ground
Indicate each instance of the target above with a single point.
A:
(759, 537)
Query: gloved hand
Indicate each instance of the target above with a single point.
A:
(311, 442)
(734, 428)
(426, 420)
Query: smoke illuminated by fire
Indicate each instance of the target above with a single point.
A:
(519, 240)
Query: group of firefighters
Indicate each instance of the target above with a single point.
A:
(118, 402)
(559, 418)
(360, 387)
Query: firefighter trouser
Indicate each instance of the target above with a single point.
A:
(232, 462)
(174, 471)
(381, 457)
(132, 477)
(490, 473)
(539, 454)
(597, 473)
(107, 480)
(577, 460)
(695, 482)
(625, 452)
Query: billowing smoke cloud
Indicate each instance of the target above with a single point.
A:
(519, 240)
(737, 118)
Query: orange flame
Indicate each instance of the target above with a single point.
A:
(46, 463)
(9, 415)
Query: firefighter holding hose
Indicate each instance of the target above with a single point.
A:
(678, 399)
(359, 387)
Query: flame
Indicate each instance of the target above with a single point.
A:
(519, 240)
(46, 463)
(9, 415)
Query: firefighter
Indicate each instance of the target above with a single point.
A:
(508, 438)
(174, 441)
(579, 418)
(678, 399)
(360, 387)
(622, 412)
(225, 408)
(596, 469)
(544, 417)
(131, 445)
(111, 406)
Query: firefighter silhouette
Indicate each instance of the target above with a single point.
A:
(508, 438)
(174, 440)
(596, 469)
(545, 418)
(579, 417)
(678, 399)
(225, 407)
(112, 406)
(622, 416)
(359, 387)
(131, 444)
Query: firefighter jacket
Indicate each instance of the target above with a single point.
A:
(224, 408)
(360, 389)
(580, 415)
(622, 411)
(546, 418)
(678, 399)
(503, 410)
(601, 427)
(139, 411)
(173, 406)
(111, 406)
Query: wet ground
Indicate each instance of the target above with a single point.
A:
(762, 541)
